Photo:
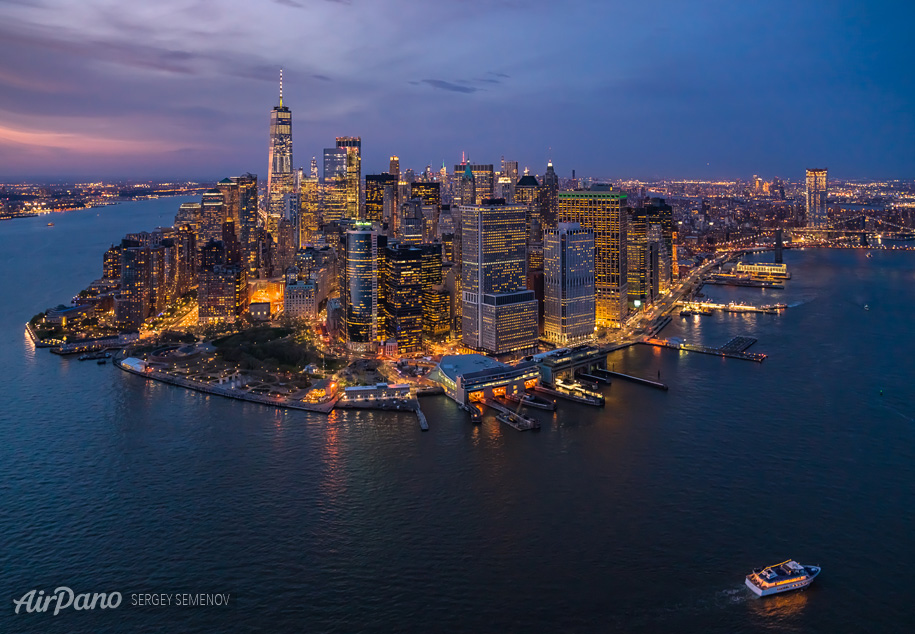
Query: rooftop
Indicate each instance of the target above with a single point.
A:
(455, 365)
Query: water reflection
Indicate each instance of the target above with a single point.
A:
(777, 609)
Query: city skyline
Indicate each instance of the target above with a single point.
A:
(81, 98)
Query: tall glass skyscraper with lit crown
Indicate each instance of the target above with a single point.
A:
(280, 179)
(816, 199)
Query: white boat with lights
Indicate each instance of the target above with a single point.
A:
(788, 575)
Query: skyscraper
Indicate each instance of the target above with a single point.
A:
(601, 210)
(280, 180)
(247, 205)
(394, 168)
(212, 215)
(375, 185)
(403, 297)
(499, 314)
(550, 186)
(467, 186)
(334, 163)
(816, 199)
(568, 281)
(483, 180)
(353, 147)
(363, 271)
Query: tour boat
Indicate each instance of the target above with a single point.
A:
(788, 575)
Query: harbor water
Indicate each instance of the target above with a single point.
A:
(641, 516)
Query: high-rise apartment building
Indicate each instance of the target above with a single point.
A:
(353, 147)
(603, 211)
(280, 179)
(212, 215)
(817, 216)
(499, 315)
(568, 284)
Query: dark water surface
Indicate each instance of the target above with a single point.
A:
(643, 516)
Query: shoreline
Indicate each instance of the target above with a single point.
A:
(155, 375)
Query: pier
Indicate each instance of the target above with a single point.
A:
(511, 418)
(635, 379)
(587, 400)
(423, 423)
(729, 350)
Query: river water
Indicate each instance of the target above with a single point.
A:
(642, 516)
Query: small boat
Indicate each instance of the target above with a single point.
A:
(102, 361)
(50, 224)
(788, 575)
(869, 255)
(685, 313)
(866, 307)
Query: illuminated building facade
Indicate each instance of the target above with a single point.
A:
(212, 215)
(361, 292)
(111, 263)
(483, 182)
(403, 297)
(309, 209)
(568, 281)
(222, 294)
(353, 147)
(602, 210)
(280, 178)
(410, 226)
(375, 186)
(816, 199)
(638, 264)
(550, 193)
(394, 167)
(247, 225)
(498, 314)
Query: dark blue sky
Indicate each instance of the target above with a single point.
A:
(183, 88)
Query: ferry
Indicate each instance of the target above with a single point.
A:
(788, 575)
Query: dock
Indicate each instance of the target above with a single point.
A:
(423, 423)
(510, 418)
(738, 344)
(587, 400)
(529, 400)
(635, 379)
(731, 352)
(593, 378)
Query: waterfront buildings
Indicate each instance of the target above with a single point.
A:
(817, 217)
(470, 378)
(280, 180)
(602, 210)
(498, 314)
(568, 281)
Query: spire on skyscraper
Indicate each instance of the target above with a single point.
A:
(281, 87)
